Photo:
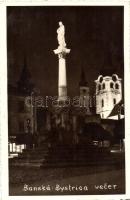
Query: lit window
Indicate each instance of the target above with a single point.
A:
(28, 125)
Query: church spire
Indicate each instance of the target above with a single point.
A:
(25, 74)
(24, 83)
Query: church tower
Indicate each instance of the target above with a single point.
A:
(84, 92)
(26, 115)
(24, 83)
(108, 93)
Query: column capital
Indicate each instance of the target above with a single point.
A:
(61, 52)
(61, 55)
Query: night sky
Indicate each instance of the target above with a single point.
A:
(93, 33)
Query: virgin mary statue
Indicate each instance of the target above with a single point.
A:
(61, 35)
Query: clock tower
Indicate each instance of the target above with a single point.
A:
(108, 93)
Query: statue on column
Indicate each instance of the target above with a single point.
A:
(61, 35)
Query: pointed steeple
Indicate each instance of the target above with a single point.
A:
(25, 74)
(24, 83)
(83, 81)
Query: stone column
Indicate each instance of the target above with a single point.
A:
(62, 82)
(62, 79)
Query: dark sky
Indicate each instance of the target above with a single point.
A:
(93, 33)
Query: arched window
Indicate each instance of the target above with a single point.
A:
(116, 86)
(102, 103)
(114, 101)
(101, 79)
(99, 87)
(103, 86)
(111, 85)
(114, 78)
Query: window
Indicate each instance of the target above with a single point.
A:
(103, 86)
(114, 78)
(102, 103)
(101, 79)
(114, 101)
(117, 86)
(99, 87)
(28, 127)
(111, 85)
